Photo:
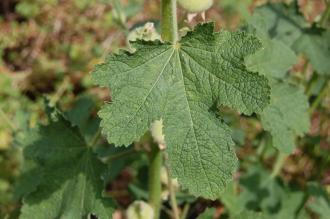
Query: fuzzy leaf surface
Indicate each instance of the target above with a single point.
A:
(71, 186)
(181, 84)
(287, 115)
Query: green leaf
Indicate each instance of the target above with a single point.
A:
(238, 7)
(287, 115)
(81, 116)
(246, 214)
(30, 178)
(285, 24)
(315, 45)
(260, 190)
(290, 204)
(231, 199)
(71, 186)
(320, 202)
(280, 21)
(274, 60)
(180, 84)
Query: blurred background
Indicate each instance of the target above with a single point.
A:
(49, 47)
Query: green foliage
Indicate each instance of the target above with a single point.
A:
(285, 24)
(258, 191)
(180, 83)
(240, 7)
(320, 202)
(275, 59)
(58, 165)
(282, 22)
(287, 115)
(315, 44)
(71, 184)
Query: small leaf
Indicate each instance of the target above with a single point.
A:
(280, 21)
(316, 46)
(274, 60)
(287, 115)
(285, 24)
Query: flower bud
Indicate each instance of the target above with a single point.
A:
(140, 209)
(196, 6)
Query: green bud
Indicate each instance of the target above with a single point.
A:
(196, 6)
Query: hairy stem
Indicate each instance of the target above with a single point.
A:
(169, 33)
(325, 15)
(185, 211)
(174, 204)
(169, 21)
(154, 181)
(280, 160)
(319, 99)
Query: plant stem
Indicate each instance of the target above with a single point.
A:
(185, 211)
(60, 92)
(319, 99)
(169, 21)
(174, 204)
(325, 15)
(154, 181)
(7, 120)
(169, 33)
(280, 160)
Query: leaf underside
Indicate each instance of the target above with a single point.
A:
(180, 84)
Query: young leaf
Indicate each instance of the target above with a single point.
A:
(71, 186)
(316, 46)
(280, 21)
(286, 116)
(319, 200)
(287, 25)
(274, 60)
(180, 84)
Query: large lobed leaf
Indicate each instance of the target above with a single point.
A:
(71, 186)
(180, 84)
